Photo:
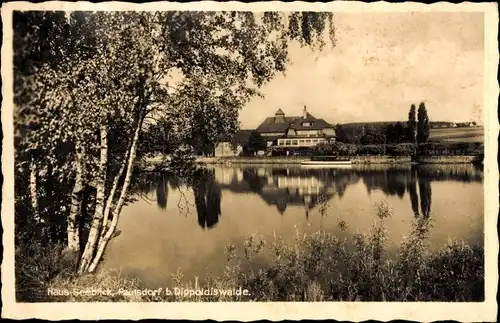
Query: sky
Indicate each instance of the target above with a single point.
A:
(381, 64)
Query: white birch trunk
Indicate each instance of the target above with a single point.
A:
(76, 203)
(34, 191)
(112, 193)
(99, 209)
(116, 212)
(111, 196)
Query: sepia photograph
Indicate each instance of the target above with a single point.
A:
(257, 158)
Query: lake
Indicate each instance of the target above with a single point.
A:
(168, 227)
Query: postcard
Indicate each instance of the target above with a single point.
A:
(248, 161)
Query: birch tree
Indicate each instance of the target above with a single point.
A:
(195, 69)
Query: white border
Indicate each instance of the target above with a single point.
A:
(353, 311)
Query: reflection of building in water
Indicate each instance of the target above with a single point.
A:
(298, 190)
(227, 175)
(296, 186)
(286, 186)
(303, 185)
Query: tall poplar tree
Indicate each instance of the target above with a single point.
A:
(412, 124)
(423, 124)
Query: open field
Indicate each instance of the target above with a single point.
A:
(473, 134)
(461, 134)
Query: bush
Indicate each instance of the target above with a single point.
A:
(35, 266)
(320, 267)
(40, 268)
(314, 267)
(402, 150)
(183, 162)
(371, 150)
(446, 149)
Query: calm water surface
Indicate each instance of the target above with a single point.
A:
(169, 227)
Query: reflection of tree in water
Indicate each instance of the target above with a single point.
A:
(459, 172)
(412, 190)
(162, 192)
(207, 195)
(340, 180)
(255, 182)
(394, 180)
(143, 183)
(281, 205)
(206, 192)
(424, 187)
(391, 181)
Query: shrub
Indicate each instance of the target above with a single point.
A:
(314, 267)
(320, 267)
(444, 148)
(35, 266)
(404, 150)
(371, 150)
(39, 269)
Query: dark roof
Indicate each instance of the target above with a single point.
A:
(273, 124)
(316, 123)
(271, 138)
(241, 136)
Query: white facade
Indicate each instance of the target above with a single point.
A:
(225, 149)
(300, 142)
(271, 134)
(309, 133)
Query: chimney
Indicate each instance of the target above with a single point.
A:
(305, 113)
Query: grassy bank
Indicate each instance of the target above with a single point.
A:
(320, 267)
(44, 271)
(315, 267)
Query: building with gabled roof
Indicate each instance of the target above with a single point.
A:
(295, 131)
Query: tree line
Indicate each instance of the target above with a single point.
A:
(416, 130)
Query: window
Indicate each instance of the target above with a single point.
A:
(287, 143)
(306, 124)
(308, 140)
(294, 142)
(281, 143)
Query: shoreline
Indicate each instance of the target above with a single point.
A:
(459, 159)
(155, 164)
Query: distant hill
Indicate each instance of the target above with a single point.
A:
(470, 132)
(377, 124)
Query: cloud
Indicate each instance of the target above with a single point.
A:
(381, 65)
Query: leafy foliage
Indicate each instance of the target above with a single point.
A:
(395, 133)
(423, 124)
(255, 143)
(372, 136)
(341, 134)
(412, 124)
(87, 85)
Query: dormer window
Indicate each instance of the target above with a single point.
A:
(306, 124)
